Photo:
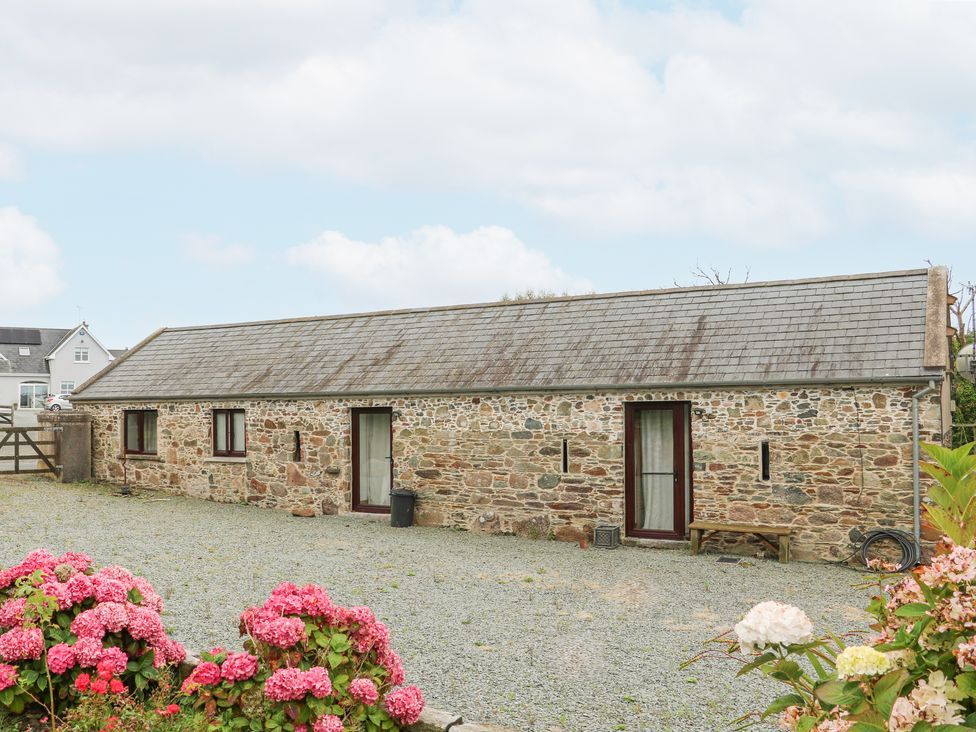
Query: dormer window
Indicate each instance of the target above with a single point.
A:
(81, 355)
(24, 350)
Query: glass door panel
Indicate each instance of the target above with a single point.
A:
(372, 462)
(655, 453)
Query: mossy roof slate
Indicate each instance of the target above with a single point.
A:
(843, 329)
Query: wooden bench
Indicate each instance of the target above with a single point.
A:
(701, 530)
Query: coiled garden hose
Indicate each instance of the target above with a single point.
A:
(911, 553)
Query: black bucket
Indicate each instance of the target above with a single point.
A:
(401, 508)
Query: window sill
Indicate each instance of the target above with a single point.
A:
(240, 460)
(150, 458)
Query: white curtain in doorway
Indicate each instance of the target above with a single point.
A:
(657, 469)
(374, 458)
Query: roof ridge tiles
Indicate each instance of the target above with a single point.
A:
(561, 299)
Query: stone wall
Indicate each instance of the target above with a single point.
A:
(840, 457)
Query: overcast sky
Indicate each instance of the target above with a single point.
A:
(170, 162)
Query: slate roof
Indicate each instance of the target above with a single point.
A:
(844, 329)
(34, 363)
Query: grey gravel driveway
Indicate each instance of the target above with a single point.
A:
(538, 635)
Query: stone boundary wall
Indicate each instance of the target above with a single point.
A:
(840, 457)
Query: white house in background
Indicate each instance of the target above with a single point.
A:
(35, 362)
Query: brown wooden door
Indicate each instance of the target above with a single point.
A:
(656, 469)
(372, 459)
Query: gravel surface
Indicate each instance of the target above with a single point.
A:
(538, 635)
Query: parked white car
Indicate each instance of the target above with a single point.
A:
(57, 402)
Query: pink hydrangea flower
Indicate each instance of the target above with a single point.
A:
(206, 673)
(12, 612)
(175, 652)
(60, 658)
(364, 691)
(79, 588)
(301, 728)
(372, 635)
(59, 591)
(958, 566)
(8, 676)
(172, 650)
(390, 660)
(285, 600)
(286, 684)
(280, 632)
(88, 624)
(113, 616)
(87, 651)
(116, 655)
(362, 615)
(144, 623)
(337, 616)
(150, 598)
(328, 723)
(108, 589)
(81, 562)
(405, 705)
(317, 682)
(119, 574)
(239, 667)
(315, 601)
(21, 644)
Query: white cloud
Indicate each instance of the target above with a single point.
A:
(31, 261)
(10, 164)
(676, 122)
(936, 201)
(432, 265)
(211, 249)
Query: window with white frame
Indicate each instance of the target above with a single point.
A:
(81, 355)
(32, 395)
(66, 387)
(24, 350)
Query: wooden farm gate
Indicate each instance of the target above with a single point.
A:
(24, 450)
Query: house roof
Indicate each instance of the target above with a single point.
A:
(40, 342)
(70, 334)
(842, 329)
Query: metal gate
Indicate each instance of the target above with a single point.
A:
(23, 450)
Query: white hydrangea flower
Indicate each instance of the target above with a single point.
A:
(861, 661)
(773, 624)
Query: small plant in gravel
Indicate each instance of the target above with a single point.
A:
(66, 628)
(307, 666)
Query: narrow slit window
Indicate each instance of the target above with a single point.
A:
(297, 457)
(565, 456)
(764, 459)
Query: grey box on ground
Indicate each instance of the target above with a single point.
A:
(72, 430)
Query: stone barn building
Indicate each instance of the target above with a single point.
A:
(786, 403)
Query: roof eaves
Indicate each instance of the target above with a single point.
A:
(851, 381)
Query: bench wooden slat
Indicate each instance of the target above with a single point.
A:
(741, 528)
(701, 530)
